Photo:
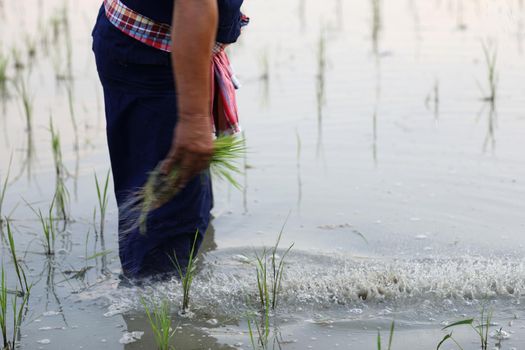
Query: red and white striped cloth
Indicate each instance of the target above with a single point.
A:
(225, 117)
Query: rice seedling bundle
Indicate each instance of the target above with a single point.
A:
(159, 188)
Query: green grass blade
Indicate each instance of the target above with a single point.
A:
(391, 337)
(459, 323)
(445, 338)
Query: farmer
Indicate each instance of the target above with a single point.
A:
(167, 87)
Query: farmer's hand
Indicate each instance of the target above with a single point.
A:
(191, 150)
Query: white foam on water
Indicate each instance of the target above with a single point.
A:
(226, 282)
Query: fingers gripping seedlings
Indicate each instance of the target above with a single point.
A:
(159, 188)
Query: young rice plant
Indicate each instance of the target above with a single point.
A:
(481, 329)
(49, 230)
(61, 197)
(17, 314)
(3, 191)
(102, 195)
(270, 270)
(20, 273)
(390, 338)
(159, 318)
(186, 275)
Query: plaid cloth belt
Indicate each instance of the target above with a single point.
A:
(224, 116)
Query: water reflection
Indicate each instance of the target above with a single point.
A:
(302, 14)
(194, 335)
(299, 179)
(432, 100)
(489, 142)
(376, 25)
(460, 16)
(320, 91)
(339, 14)
(245, 176)
(265, 78)
(520, 31)
(417, 26)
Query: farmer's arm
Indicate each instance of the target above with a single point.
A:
(193, 37)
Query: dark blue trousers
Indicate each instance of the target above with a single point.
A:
(141, 113)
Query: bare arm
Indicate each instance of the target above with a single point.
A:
(193, 37)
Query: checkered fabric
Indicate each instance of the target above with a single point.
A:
(137, 26)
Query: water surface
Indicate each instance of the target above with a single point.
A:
(366, 121)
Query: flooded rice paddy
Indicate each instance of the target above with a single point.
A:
(391, 131)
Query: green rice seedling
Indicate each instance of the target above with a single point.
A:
(17, 59)
(481, 329)
(390, 338)
(3, 311)
(17, 309)
(3, 191)
(71, 105)
(432, 99)
(321, 69)
(376, 25)
(259, 331)
(30, 47)
(270, 270)
(27, 101)
(186, 275)
(321, 87)
(4, 62)
(20, 273)
(159, 188)
(159, 318)
(102, 195)
(490, 54)
(61, 197)
(298, 166)
(265, 77)
(68, 40)
(49, 230)
(55, 22)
